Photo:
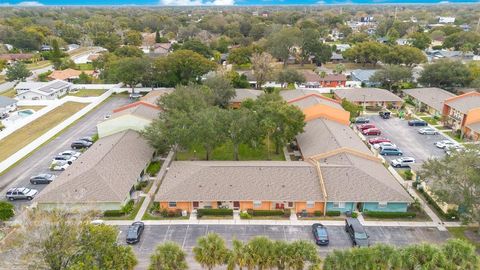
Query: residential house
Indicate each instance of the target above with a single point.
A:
(153, 96)
(160, 49)
(342, 47)
(369, 97)
(134, 116)
(102, 178)
(68, 74)
(446, 20)
(333, 80)
(363, 76)
(252, 80)
(336, 57)
(71, 47)
(42, 90)
(13, 57)
(7, 104)
(463, 113)
(428, 99)
(241, 185)
(312, 79)
(243, 94)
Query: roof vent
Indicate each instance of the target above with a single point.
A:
(283, 186)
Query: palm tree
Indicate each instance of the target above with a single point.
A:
(260, 249)
(461, 255)
(302, 252)
(238, 256)
(281, 250)
(423, 256)
(211, 251)
(168, 256)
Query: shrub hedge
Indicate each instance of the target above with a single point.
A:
(6, 211)
(265, 213)
(318, 213)
(113, 213)
(380, 214)
(451, 215)
(214, 212)
(333, 213)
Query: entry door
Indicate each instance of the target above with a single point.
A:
(195, 205)
(236, 205)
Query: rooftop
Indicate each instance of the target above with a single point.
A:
(140, 108)
(244, 94)
(154, 95)
(464, 103)
(363, 75)
(366, 94)
(68, 73)
(433, 97)
(6, 101)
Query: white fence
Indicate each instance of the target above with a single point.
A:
(51, 133)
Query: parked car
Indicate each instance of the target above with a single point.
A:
(80, 144)
(71, 153)
(59, 165)
(402, 162)
(428, 131)
(43, 178)
(384, 144)
(372, 131)
(67, 158)
(3, 115)
(135, 96)
(357, 233)
(21, 193)
(384, 114)
(417, 123)
(390, 152)
(362, 127)
(378, 140)
(134, 232)
(320, 234)
(361, 120)
(445, 143)
(87, 139)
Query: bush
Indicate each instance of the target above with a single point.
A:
(163, 212)
(245, 215)
(214, 212)
(155, 207)
(113, 213)
(140, 185)
(153, 168)
(266, 213)
(452, 214)
(174, 213)
(408, 175)
(6, 211)
(318, 213)
(128, 207)
(434, 204)
(333, 213)
(354, 214)
(287, 212)
(379, 214)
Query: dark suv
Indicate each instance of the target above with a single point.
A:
(356, 232)
(415, 123)
(320, 234)
(80, 144)
(134, 232)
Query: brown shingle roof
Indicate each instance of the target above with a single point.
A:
(433, 97)
(465, 102)
(154, 95)
(68, 73)
(16, 56)
(334, 78)
(240, 181)
(310, 76)
(140, 110)
(244, 94)
(104, 173)
(366, 94)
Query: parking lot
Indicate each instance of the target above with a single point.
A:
(407, 138)
(186, 236)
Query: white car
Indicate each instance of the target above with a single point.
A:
(384, 144)
(445, 143)
(428, 131)
(59, 165)
(402, 162)
(70, 153)
(67, 158)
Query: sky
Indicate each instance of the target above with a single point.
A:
(218, 2)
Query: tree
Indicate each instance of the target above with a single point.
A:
(460, 39)
(3, 63)
(56, 54)
(423, 256)
(352, 108)
(375, 257)
(239, 255)
(238, 81)
(261, 250)
(445, 74)
(157, 37)
(83, 79)
(366, 52)
(461, 255)
(392, 75)
(198, 47)
(404, 55)
(211, 251)
(456, 179)
(310, 43)
(420, 40)
(281, 44)
(300, 253)
(128, 71)
(290, 76)
(209, 129)
(222, 89)
(242, 128)
(262, 68)
(240, 56)
(18, 71)
(133, 38)
(128, 51)
(181, 67)
(339, 69)
(6, 211)
(168, 256)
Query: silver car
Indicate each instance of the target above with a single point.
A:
(21, 193)
(428, 131)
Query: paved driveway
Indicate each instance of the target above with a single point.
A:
(407, 138)
(186, 235)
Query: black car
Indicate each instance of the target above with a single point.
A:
(356, 232)
(80, 144)
(415, 123)
(320, 234)
(384, 114)
(134, 232)
(44, 178)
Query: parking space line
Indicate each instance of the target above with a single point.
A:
(284, 233)
(185, 237)
(166, 234)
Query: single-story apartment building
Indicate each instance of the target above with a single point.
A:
(7, 104)
(463, 113)
(42, 90)
(428, 99)
(102, 178)
(69, 74)
(13, 57)
(369, 97)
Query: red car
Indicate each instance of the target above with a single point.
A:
(365, 126)
(372, 131)
(378, 140)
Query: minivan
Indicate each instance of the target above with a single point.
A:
(357, 233)
(389, 151)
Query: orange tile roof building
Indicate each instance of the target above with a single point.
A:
(463, 113)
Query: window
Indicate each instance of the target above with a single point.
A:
(290, 204)
(338, 205)
(257, 204)
(310, 204)
(172, 204)
(195, 204)
(382, 204)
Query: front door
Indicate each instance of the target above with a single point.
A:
(279, 206)
(236, 205)
(195, 205)
(360, 207)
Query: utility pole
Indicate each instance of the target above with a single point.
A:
(478, 24)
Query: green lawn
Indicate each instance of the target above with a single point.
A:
(85, 66)
(25, 135)
(225, 152)
(459, 233)
(454, 136)
(430, 120)
(88, 93)
(9, 93)
(39, 64)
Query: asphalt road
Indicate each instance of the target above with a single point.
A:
(40, 160)
(186, 236)
(410, 142)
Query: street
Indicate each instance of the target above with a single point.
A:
(186, 236)
(40, 160)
